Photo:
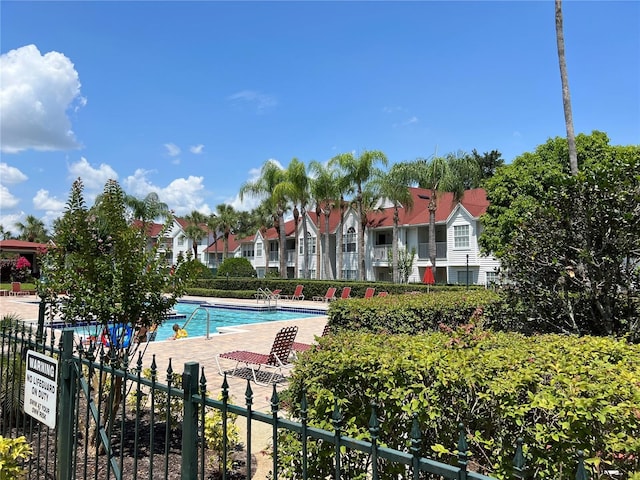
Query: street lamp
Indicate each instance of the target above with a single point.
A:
(467, 271)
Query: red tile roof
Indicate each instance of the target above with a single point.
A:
(20, 245)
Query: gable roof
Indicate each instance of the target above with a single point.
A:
(474, 201)
(21, 245)
(233, 244)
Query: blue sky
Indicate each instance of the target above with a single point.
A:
(189, 99)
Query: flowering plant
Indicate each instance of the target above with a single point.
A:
(21, 269)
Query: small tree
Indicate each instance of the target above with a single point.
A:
(236, 267)
(99, 257)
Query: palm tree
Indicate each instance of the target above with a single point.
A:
(393, 186)
(566, 97)
(194, 230)
(225, 220)
(297, 177)
(359, 171)
(271, 175)
(148, 208)
(5, 234)
(440, 174)
(32, 230)
(324, 193)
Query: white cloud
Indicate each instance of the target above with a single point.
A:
(35, 94)
(196, 149)
(260, 100)
(182, 195)
(93, 179)
(9, 222)
(7, 200)
(172, 149)
(11, 175)
(42, 201)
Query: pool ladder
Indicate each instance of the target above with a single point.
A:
(206, 310)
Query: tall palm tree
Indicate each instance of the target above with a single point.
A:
(5, 234)
(225, 221)
(271, 175)
(440, 174)
(295, 189)
(393, 185)
(32, 230)
(566, 97)
(359, 171)
(194, 230)
(324, 193)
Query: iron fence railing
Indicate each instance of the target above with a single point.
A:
(117, 420)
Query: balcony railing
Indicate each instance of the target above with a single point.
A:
(441, 250)
(381, 253)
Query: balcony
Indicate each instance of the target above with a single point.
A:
(441, 251)
(381, 253)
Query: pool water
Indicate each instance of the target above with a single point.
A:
(219, 316)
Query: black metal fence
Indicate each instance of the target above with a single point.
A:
(122, 421)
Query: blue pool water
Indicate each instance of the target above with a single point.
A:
(219, 316)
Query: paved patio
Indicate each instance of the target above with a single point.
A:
(256, 337)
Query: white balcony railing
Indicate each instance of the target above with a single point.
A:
(381, 253)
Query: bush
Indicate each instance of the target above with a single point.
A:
(12, 453)
(416, 313)
(236, 267)
(560, 394)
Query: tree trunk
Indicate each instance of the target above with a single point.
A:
(566, 97)
(339, 253)
(318, 242)
(327, 261)
(305, 245)
(432, 230)
(361, 226)
(296, 218)
(394, 246)
(283, 244)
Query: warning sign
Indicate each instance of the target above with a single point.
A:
(41, 388)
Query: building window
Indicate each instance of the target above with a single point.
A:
(349, 240)
(259, 249)
(462, 277)
(461, 236)
(492, 278)
(180, 241)
(349, 274)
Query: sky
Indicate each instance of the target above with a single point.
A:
(190, 99)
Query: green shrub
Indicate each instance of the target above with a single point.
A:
(416, 313)
(560, 394)
(12, 453)
(236, 267)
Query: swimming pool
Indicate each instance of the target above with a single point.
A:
(220, 318)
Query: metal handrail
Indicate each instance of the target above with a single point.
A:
(206, 310)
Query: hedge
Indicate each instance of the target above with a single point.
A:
(560, 394)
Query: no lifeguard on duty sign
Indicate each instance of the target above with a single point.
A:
(41, 388)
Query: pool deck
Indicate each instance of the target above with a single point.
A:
(256, 338)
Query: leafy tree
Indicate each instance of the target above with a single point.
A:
(236, 267)
(488, 163)
(148, 209)
(515, 189)
(99, 258)
(271, 175)
(359, 170)
(32, 230)
(566, 96)
(573, 264)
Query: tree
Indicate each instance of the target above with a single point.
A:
(324, 193)
(516, 188)
(99, 258)
(194, 230)
(225, 220)
(451, 173)
(566, 96)
(32, 230)
(148, 209)
(358, 170)
(297, 177)
(572, 265)
(271, 175)
(488, 163)
(5, 234)
(393, 186)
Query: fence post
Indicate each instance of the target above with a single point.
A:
(190, 422)
(66, 403)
